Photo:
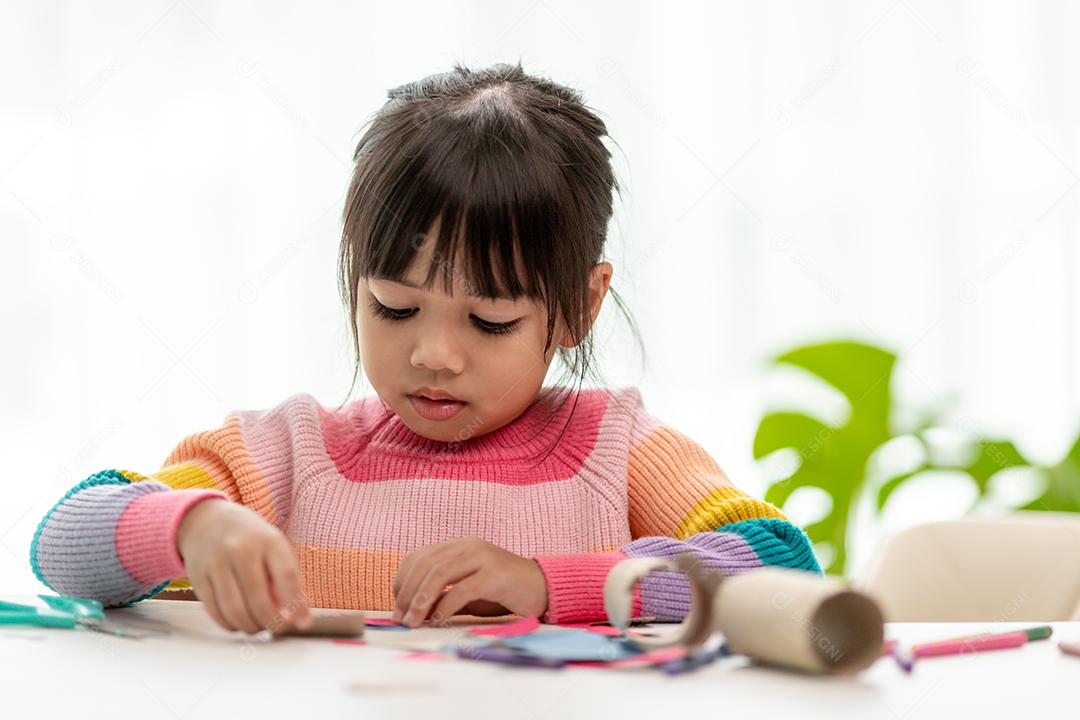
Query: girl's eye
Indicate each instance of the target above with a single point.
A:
(389, 313)
(496, 328)
(489, 328)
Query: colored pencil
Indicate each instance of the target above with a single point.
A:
(979, 643)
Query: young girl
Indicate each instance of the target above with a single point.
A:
(471, 256)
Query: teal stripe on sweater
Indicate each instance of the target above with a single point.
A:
(776, 542)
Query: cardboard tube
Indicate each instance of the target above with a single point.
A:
(799, 619)
(618, 598)
(776, 615)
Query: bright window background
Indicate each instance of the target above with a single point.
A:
(898, 172)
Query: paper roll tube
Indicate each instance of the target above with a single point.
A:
(695, 627)
(798, 619)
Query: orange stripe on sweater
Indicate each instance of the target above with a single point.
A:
(219, 459)
(677, 489)
(668, 476)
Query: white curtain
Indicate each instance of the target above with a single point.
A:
(172, 177)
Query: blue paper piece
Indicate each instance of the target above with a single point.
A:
(572, 644)
(507, 656)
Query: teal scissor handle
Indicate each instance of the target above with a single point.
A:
(77, 607)
(15, 614)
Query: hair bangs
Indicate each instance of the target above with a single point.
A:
(496, 202)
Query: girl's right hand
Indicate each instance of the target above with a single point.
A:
(242, 567)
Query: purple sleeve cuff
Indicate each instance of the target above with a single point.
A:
(146, 533)
(575, 586)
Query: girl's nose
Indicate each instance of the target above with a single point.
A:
(437, 349)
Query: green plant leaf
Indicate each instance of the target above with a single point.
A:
(890, 486)
(1062, 492)
(863, 373)
(779, 492)
(833, 458)
(783, 430)
(991, 457)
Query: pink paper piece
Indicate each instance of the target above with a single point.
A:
(651, 657)
(380, 622)
(598, 629)
(422, 655)
(523, 626)
(350, 641)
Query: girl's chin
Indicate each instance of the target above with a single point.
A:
(449, 430)
(426, 431)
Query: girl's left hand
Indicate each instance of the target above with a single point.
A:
(482, 575)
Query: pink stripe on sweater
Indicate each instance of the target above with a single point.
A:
(146, 533)
(577, 515)
(575, 586)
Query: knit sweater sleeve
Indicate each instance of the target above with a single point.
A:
(112, 537)
(679, 501)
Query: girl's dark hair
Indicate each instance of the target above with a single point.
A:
(516, 169)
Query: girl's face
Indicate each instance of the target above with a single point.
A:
(487, 354)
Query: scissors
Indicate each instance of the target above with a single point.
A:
(64, 612)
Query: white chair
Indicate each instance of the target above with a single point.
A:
(1020, 567)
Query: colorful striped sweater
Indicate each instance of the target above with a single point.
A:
(356, 489)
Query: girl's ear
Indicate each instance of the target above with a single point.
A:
(599, 280)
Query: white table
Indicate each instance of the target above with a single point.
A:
(200, 670)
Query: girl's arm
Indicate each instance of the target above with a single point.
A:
(679, 501)
(112, 537)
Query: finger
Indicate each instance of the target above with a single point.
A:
(255, 582)
(415, 575)
(406, 577)
(463, 592)
(231, 601)
(204, 590)
(438, 577)
(287, 586)
(409, 562)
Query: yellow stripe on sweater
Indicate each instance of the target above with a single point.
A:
(724, 506)
(132, 476)
(182, 476)
(185, 476)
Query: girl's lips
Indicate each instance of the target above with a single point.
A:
(435, 409)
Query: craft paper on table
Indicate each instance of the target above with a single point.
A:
(598, 629)
(571, 644)
(518, 627)
(508, 656)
